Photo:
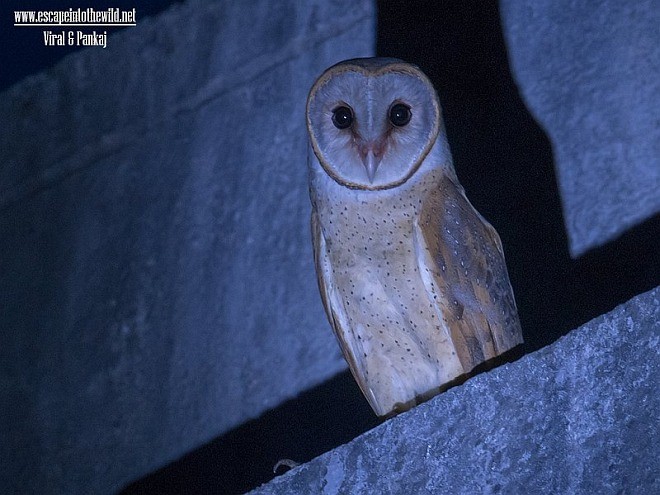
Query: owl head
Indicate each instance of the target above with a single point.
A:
(372, 121)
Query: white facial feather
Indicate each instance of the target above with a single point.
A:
(399, 150)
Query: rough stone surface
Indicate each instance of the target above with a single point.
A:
(590, 73)
(580, 416)
(156, 277)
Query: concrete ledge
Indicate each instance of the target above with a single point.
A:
(580, 416)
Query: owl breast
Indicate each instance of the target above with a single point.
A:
(398, 335)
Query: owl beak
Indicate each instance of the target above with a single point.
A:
(371, 162)
(372, 153)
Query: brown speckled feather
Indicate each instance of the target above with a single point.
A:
(334, 309)
(462, 256)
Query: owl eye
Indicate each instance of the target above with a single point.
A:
(400, 114)
(342, 117)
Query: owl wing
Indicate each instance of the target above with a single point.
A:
(461, 261)
(336, 313)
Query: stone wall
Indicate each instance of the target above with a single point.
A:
(156, 272)
(590, 74)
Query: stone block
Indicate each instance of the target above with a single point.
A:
(590, 73)
(579, 416)
(156, 278)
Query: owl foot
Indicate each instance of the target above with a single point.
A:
(285, 462)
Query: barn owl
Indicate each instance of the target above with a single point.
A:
(412, 278)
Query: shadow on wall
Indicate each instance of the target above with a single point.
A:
(505, 162)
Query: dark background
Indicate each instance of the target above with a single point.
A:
(23, 51)
(504, 160)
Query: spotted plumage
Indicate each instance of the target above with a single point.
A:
(412, 278)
